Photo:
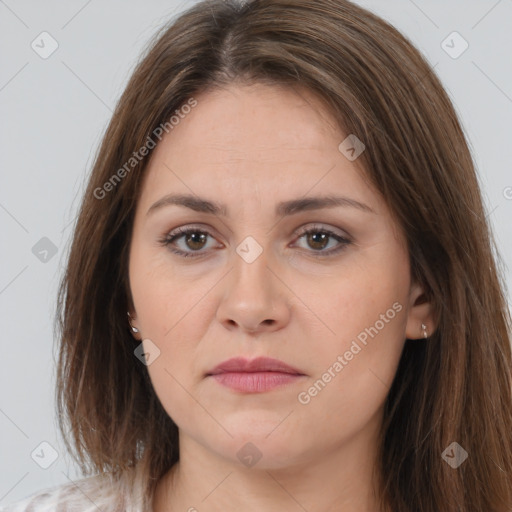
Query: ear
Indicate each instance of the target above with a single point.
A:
(420, 311)
(133, 324)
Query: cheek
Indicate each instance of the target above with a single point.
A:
(174, 372)
(171, 312)
(164, 297)
(352, 375)
(354, 365)
(367, 301)
(158, 317)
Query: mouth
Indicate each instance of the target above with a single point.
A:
(254, 376)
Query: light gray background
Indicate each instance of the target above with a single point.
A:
(53, 113)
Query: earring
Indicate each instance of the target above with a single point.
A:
(424, 328)
(134, 329)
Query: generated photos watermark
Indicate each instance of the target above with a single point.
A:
(137, 156)
(305, 397)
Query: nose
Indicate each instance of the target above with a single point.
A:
(254, 297)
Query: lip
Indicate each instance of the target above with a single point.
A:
(254, 376)
(260, 364)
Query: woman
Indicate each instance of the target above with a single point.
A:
(281, 292)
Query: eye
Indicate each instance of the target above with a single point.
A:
(194, 240)
(318, 238)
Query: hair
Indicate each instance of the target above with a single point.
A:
(454, 387)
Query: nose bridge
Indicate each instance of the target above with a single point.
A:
(251, 275)
(253, 298)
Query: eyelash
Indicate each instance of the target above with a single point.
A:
(169, 238)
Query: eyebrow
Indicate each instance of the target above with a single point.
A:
(283, 209)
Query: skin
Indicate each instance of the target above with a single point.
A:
(250, 147)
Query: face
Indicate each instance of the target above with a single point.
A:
(325, 289)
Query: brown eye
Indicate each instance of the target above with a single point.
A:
(195, 240)
(192, 239)
(318, 238)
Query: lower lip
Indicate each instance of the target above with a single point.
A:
(256, 382)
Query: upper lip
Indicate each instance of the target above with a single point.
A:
(260, 364)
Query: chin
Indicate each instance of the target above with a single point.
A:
(255, 449)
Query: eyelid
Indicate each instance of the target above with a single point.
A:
(310, 226)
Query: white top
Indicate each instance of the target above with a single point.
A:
(90, 494)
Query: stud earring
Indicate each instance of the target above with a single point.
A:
(134, 329)
(424, 328)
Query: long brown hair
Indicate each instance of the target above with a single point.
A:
(454, 387)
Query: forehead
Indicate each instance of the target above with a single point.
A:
(243, 140)
(247, 118)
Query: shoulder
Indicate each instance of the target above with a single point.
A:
(99, 492)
